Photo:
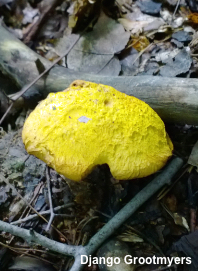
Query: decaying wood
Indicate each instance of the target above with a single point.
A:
(174, 99)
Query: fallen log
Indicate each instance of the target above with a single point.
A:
(174, 99)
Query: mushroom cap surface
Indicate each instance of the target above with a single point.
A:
(91, 124)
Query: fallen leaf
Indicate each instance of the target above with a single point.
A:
(193, 17)
(149, 6)
(193, 159)
(171, 202)
(180, 64)
(130, 63)
(182, 36)
(165, 55)
(95, 50)
(81, 9)
(136, 27)
(29, 14)
(130, 237)
(180, 221)
(154, 25)
(140, 43)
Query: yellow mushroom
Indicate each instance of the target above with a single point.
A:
(91, 124)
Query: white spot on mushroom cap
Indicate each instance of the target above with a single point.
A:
(84, 119)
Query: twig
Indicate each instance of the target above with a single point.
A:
(36, 192)
(193, 219)
(29, 249)
(5, 114)
(19, 195)
(82, 227)
(50, 200)
(39, 185)
(30, 217)
(105, 65)
(31, 236)
(140, 53)
(106, 231)
(145, 49)
(14, 189)
(176, 8)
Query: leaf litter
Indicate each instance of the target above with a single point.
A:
(127, 38)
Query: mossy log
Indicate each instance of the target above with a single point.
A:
(174, 99)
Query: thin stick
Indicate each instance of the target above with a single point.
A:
(31, 236)
(30, 217)
(14, 189)
(37, 189)
(39, 185)
(50, 199)
(178, 2)
(7, 111)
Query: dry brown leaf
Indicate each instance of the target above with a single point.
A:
(140, 43)
(180, 221)
(171, 202)
(135, 27)
(82, 9)
(130, 237)
(193, 17)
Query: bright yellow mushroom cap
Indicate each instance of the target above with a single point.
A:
(91, 124)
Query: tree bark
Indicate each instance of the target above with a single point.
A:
(174, 99)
